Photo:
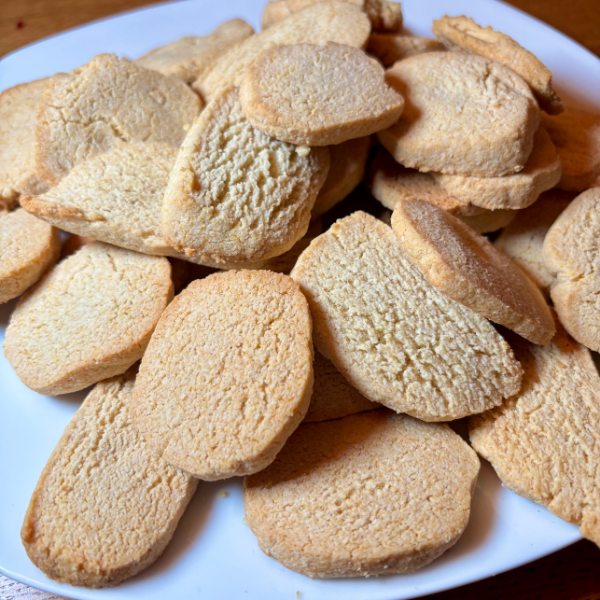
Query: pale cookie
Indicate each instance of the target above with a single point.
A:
(463, 115)
(228, 375)
(543, 442)
(467, 268)
(314, 95)
(104, 507)
(28, 248)
(512, 192)
(367, 495)
(489, 220)
(392, 335)
(522, 240)
(90, 318)
(571, 255)
(576, 135)
(235, 194)
(389, 48)
(104, 104)
(189, 57)
(333, 21)
(18, 174)
(462, 33)
(333, 397)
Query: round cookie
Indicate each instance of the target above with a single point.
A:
(389, 48)
(466, 267)
(367, 495)
(228, 374)
(314, 95)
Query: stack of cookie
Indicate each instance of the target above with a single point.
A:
(207, 169)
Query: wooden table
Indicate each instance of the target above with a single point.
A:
(572, 573)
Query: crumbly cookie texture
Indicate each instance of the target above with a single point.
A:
(463, 115)
(18, 173)
(389, 48)
(332, 21)
(570, 255)
(28, 248)
(340, 500)
(104, 104)
(392, 335)
(542, 442)
(235, 194)
(90, 318)
(462, 33)
(466, 267)
(104, 507)
(228, 374)
(189, 57)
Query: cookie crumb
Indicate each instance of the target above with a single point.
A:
(223, 494)
(303, 150)
(297, 594)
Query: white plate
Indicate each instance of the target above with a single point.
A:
(213, 554)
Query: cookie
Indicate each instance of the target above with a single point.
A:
(104, 507)
(367, 495)
(290, 94)
(89, 319)
(333, 21)
(227, 375)
(389, 48)
(28, 248)
(542, 442)
(18, 174)
(570, 255)
(489, 220)
(104, 104)
(462, 33)
(392, 335)
(189, 57)
(463, 115)
(235, 194)
(467, 268)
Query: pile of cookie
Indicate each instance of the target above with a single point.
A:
(214, 168)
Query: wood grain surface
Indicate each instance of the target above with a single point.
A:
(572, 573)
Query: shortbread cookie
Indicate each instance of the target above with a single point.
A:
(543, 442)
(522, 240)
(462, 33)
(90, 318)
(489, 220)
(576, 135)
(104, 104)
(571, 256)
(392, 335)
(467, 268)
(371, 494)
(228, 374)
(28, 248)
(235, 194)
(464, 115)
(391, 47)
(513, 192)
(18, 174)
(104, 507)
(332, 21)
(189, 57)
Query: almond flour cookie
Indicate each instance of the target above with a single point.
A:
(17, 139)
(466, 267)
(389, 48)
(571, 256)
(543, 442)
(28, 248)
(489, 220)
(463, 115)
(370, 494)
(104, 104)
(392, 335)
(189, 57)
(235, 194)
(462, 33)
(104, 507)
(228, 374)
(333, 21)
(90, 318)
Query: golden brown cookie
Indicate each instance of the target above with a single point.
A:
(391, 47)
(489, 220)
